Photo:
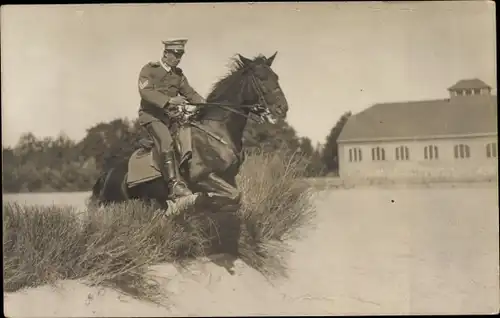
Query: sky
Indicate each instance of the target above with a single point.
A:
(65, 68)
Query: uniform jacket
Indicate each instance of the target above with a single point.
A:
(157, 84)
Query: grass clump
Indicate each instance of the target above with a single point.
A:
(110, 248)
(40, 244)
(276, 206)
(114, 247)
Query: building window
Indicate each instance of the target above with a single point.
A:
(485, 91)
(378, 154)
(461, 151)
(491, 150)
(355, 154)
(402, 153)
(477, 91)
(431, 152)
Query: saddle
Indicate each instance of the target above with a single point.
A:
(143, 164)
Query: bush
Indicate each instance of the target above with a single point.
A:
(114, 247)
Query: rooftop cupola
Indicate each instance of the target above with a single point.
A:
(469, 87)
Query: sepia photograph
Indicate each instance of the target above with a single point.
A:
(250, 159)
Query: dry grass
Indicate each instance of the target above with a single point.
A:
(276, 206)
(115, 248)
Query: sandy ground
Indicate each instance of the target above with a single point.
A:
(373, 251)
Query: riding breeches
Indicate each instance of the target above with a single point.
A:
(161, 136)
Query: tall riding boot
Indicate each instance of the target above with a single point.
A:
(177, 187)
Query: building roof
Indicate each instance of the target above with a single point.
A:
(463, 115)
(469, 83)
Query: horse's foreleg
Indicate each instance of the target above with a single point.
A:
(222, 195)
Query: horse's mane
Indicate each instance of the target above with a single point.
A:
(236, 70)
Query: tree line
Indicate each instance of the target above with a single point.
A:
(62, 164)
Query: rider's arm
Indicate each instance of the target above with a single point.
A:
(147, 90)
(187, 91)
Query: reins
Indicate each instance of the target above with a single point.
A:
(229, 107)
(234, 107)
(223, 104)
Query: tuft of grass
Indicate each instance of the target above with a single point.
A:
(115, 246)
(40, 245)
(112, 247)
(276, 206)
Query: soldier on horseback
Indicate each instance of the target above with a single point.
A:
(163, 87)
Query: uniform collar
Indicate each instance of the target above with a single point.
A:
(165, 66)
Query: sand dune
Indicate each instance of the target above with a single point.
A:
(202, 289)
(392, 251)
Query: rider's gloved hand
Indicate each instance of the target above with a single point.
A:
(190, 108)
(177, 101)
(174, 106)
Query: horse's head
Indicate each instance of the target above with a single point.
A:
(265, 88)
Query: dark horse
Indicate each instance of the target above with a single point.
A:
(216, 141)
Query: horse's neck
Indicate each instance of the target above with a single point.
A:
(231, 123)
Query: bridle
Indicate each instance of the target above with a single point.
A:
(259, 109)
(257, 85)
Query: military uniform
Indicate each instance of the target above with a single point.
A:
(158, 83)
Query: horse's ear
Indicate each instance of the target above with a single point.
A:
(244, 59)
(270, 60)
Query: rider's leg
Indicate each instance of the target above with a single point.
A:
(164, 143)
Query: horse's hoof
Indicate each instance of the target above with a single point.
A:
(187, 203)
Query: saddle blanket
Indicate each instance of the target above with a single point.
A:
(142, 167)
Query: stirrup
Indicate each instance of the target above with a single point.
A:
(175, 182)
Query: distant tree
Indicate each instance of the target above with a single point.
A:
(315, 167)
(8, 156)
(306, 147)
(329, 154)
(61, 164)
(48, 164)
(10, 172)
(269, 137)
(109, 142)
(27, 146)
